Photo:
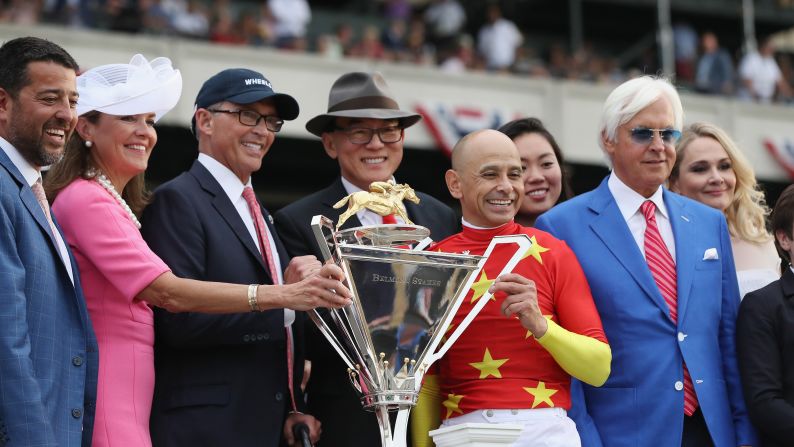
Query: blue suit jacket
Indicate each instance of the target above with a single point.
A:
(48, 352)
(640, 404)
(221, 379)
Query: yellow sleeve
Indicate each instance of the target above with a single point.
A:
(585, 358)
(425, 416)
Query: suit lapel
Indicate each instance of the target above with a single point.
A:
(684, 229)
(333, 194)
(27, 198)
(227, 211)
(611, 228)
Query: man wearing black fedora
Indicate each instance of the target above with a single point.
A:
(363, 130)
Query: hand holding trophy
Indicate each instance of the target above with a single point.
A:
(403, 301)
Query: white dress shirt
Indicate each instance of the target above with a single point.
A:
(32, 175)
(629, 202)
(233, 188)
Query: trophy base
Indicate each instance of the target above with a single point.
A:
(391, 400)
(472, 434)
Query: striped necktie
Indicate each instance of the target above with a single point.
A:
(662, 268)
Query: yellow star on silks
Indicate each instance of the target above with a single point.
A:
(529, 333)
(480, 287)
(489, 366)
(541, 394)
(452, 404)
(535, 250)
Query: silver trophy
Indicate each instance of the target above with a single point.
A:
(404, 300)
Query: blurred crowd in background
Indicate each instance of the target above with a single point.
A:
(432, 33)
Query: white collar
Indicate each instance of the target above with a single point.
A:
(229, 182)
(351, 188)
(629, 200)
(470, 225)
(29, 172)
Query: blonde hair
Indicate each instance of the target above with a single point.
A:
(747, 212)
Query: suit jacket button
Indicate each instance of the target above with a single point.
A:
(76, 413)
(246, 337)
(77, 360)
(681, 336)
(266, 336)
(679, 385)
(279, 396)
(260, 336)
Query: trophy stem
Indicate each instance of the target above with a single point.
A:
(398, 438)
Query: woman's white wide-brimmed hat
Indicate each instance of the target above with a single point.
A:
(130, 89)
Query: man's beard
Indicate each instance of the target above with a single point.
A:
(23, 138)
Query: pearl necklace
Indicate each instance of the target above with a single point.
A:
(100, 178)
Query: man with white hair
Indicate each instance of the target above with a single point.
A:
(662, 275)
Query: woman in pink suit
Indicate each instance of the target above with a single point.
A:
(97, 192)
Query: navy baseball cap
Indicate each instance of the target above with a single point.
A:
(243, 86)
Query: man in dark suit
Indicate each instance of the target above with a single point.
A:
(765, 340)
(48, 352)
(364, 131)
(227, 379)
(660, 267)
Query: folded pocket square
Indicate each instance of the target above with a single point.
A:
(710, 253)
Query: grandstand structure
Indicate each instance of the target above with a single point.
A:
(452, 105)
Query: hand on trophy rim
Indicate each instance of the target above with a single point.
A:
(301, 267)
(322, 289)
(521, 302)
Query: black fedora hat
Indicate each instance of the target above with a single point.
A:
(360, 95)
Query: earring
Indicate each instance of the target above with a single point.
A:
(88, 143)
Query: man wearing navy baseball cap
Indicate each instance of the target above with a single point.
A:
(227, 379)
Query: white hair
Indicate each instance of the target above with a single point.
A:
(631, 97)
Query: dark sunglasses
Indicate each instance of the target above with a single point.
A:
(644, 135)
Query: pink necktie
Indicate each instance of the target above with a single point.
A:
(267, 255)
(38, 191)
(662, 268)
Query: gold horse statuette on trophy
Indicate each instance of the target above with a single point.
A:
(383, 198)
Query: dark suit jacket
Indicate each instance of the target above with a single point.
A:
(48, 351)
(221, 379)
(331, 397)
(765, 343)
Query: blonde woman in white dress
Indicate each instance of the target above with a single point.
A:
(711, 169)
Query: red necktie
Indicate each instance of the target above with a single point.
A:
(389, 219)
(267, 255)
(662, 268)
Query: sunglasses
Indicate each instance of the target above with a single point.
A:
(644, 135)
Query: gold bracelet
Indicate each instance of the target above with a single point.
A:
(252, 297)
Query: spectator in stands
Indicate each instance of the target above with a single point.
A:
(685, 47)
(711, 169)
(760, 75)
(369, 46)
(191, 20)
(764, 331)
(225, 31)
(291, 19)
(444, 20)
(393, 39)
(498, 40)
(714, 74)
(545, 180)
(397, 10)
(460, 58)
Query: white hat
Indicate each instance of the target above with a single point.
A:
(130, 89)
